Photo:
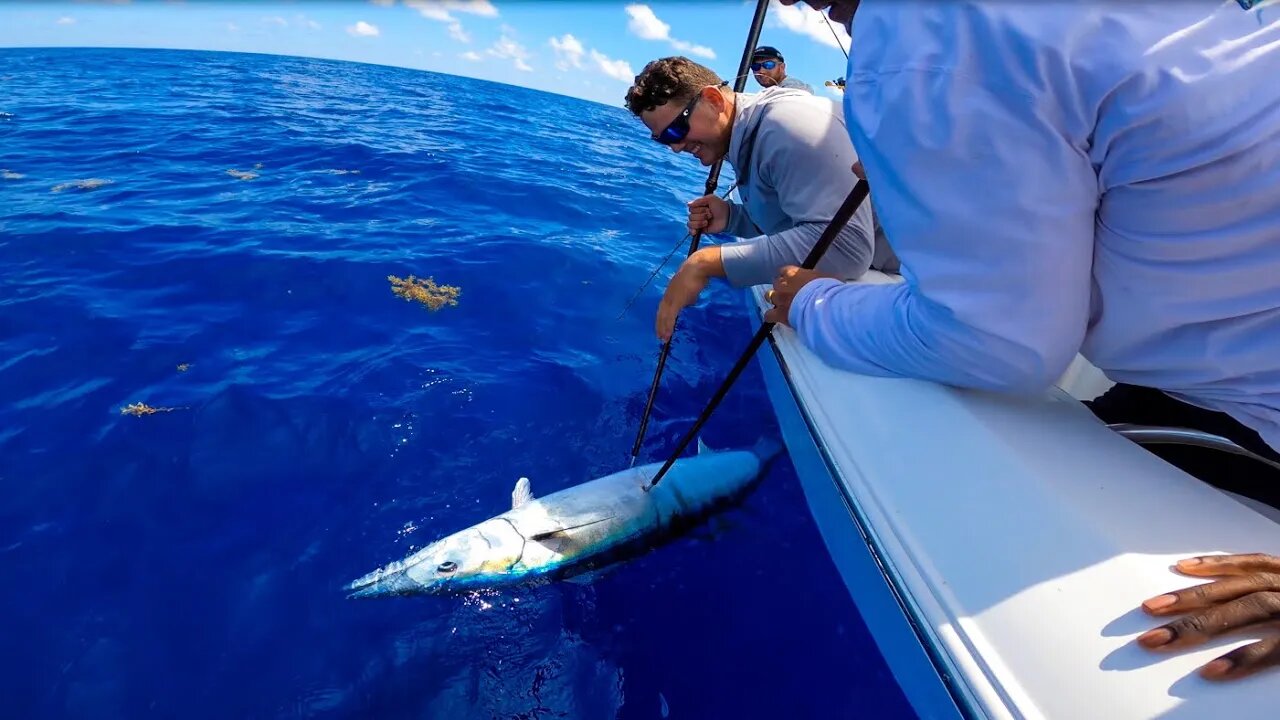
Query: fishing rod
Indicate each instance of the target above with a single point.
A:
(842, 216)
(713, 180)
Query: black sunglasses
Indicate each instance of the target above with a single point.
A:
(678, 129)
(767, 65)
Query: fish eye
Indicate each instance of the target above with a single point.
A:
(447, 566)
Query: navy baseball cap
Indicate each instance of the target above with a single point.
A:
(765, 51)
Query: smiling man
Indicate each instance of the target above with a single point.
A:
(791, 155)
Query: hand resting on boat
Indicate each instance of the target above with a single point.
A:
(789, 281)
(1245, 597)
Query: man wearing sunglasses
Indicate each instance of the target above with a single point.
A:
(1097, 177)
(791, 157)
(770, 70)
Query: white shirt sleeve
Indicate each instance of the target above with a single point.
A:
(991, 208)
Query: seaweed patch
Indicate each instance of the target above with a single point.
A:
(139, 409)
(86, 184)
(245, 174)
(425, 291)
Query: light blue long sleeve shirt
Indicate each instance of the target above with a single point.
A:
(1093, 177)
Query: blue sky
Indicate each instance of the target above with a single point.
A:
(587, 49)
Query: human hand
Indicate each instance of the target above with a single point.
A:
(682, 291)
(789, 282)
(708, 214)
(1247, 597)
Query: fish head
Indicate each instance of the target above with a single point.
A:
(484, 555)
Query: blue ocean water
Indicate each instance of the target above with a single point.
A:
(213, 233)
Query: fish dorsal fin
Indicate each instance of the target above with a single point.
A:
(702, 447)
(522, 493)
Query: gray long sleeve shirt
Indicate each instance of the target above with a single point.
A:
(792, 155)
(791, 82)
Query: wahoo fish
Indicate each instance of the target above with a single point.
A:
(575, 530)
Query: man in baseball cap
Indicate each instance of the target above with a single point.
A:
(770, 70)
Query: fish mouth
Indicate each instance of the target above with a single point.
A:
(394, 579)
(384, 586)
(381, 583)
(476, 556)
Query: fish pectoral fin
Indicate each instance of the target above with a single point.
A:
(549, 534)
(522, 493)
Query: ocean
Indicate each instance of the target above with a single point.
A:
(215, 411)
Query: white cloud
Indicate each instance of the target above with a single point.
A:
(383, 3)
(299, 21)
(471, 55)
(699, 50)
(363, 29)
(646, 25)
(65, 20)
(430, 10)
(441, 9)
(483, 8)
(508, 49)
(569, 51)
(802, 19)
(616, 69)
(232, 27)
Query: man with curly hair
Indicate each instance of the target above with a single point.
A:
(791, 155)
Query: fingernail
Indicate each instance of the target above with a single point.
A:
(1161, 602)
(1189, 562)
(1156, 638)
(1217, 668)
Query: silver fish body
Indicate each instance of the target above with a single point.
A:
(577, 528)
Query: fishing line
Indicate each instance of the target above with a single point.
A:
(664, 262)
(842, 216)
(834, 34)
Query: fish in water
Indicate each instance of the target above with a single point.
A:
(577, 529)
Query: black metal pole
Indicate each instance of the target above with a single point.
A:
(846, 211)
(713, 181)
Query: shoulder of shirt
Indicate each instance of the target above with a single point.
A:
(798, 118)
